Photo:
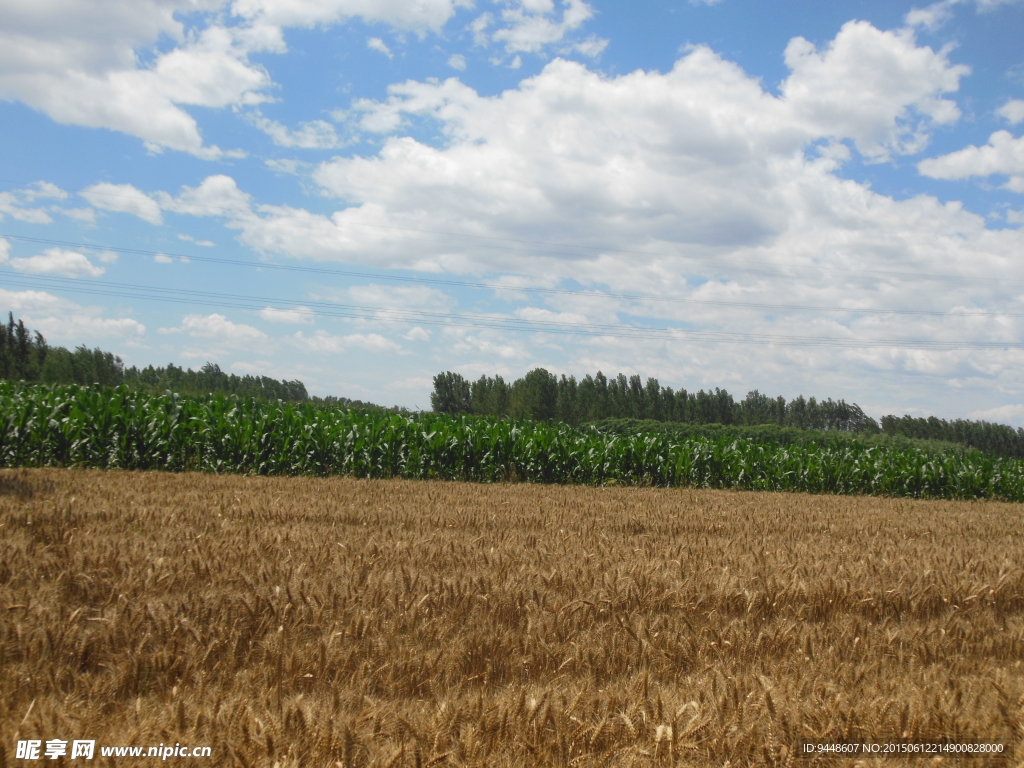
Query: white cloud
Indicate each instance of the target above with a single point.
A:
(322, 342)
(531, 26)
(593, 46)
(219, 329)
(84, 326)
(479, 27)
(932, 16)
(1015, 217)
(10, 205)
(44, 189)
(163, 258)
(935, 15)
(66, 322)
(190, 239)
(290, 166)
(485, 343)
(1003, 154)
(259, 368)
(392, 297)
(570, 155)
(34, 302)
(84, 215)
(123, 198)
(1003, 414)
(316, 134)
(457, 61)
(296, 315)
(217, 195)
(57, 261)
(877, 88)
(81, 63)
(1012, 111)
(422, 383)
(78, 63)
(420, 16)
(417, 334)
(14, 203)
(376, 44)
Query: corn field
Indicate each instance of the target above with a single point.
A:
(71, 426)
(326, 623)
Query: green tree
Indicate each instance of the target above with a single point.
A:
(535, 396)
(452, 394)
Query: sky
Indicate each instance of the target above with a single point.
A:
(796, 197)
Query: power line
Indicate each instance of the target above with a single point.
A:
(356, 311)
(503, 287)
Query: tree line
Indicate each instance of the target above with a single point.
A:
(26, 356)
(983, 435)
(542, 396)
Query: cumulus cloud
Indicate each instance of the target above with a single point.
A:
(457, 61)
(1004, 154)
(84, 326)
(45, 190)
(401, 297)
(323, 343)
(218, 329)
(592, 46)
(530, 26)
(297, 315)
(376, 44)
(1004, 414)
(80, 62)
(217, 195)
(11, 206)
(316, 134)
(16, 203)
(1012, 111)
(417, 334)
(56, 261)
(875, 87)
(65, 321)
(421, 16)
(933, 16)
(84, 215)
(645, 162)
(123, 198)
(190, 239)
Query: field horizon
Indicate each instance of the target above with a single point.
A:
(299, 621)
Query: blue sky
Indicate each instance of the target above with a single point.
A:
(799, 197)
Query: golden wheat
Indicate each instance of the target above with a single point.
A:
(340, 622)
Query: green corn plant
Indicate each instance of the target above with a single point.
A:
(72, 426)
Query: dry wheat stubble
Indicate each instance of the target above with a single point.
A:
(310, 622)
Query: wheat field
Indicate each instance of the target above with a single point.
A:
(355, 623)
